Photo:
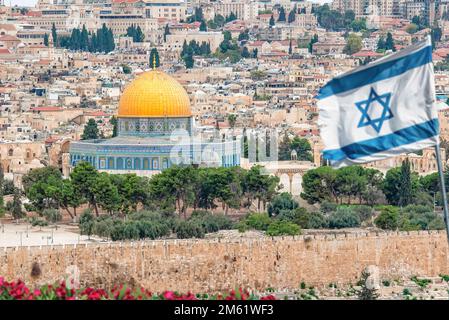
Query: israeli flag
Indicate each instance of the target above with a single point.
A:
(380, 110)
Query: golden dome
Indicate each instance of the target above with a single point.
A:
(154, 94)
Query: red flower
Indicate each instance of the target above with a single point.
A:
(169, 295)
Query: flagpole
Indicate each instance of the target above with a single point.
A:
(443, 188)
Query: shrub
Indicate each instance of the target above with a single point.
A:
(303, 218)
(365, 212)
(422, 218)
(258, 221)
(211, 222)
(52, 215)
(86, 223)
(344, 218)
(36, 222)
(189, 229)
(131, 230)
(118, 231)
(327, 207)
(153, 229)
(365, 293)
(103, 227)
(423, 199)
(283, 201)
(280, 228)
(388, 219)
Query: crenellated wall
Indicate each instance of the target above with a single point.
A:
(218, 265)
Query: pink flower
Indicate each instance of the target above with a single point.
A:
(169, 295)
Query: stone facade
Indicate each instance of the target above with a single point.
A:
(218, 265)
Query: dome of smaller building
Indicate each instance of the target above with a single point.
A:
(154, 94)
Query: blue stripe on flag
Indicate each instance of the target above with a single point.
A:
(396, 139)
(376, 73)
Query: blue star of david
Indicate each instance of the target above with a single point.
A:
(364, 106)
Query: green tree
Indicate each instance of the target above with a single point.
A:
(54, 35)
(405, 187)
(219, 20)
(175, 184)
(84, 177)
(203, 26)
(40, 186)
(350, 182)
(300, 145)
(353, 44)
(283, 201)
(381, 44)
(166, 32)
(312, 41)
(188, 59)
(271, 22)
(388, 219)
(46, 41)
(389, 42)
(114, 123)
(319, 184)
(84, 39)
(245, 53)
(232, 119)
(259, 186)
(105, 193)
(397, 179)
(66, 197)
(281, 17)
(244, 35)
(16, 207)
(232, 16)
(154, 58)
(358, 25)
(90, 130)
(292, 15)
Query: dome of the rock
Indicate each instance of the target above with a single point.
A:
(154, 94)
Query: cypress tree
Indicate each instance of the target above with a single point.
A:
(139, 35)
(167, 32)
(54, 35)
(188, 58)
(203, 26)
(245, 53)
(16, 209)
(281, 17)
(389, 42)
(46, 40)
(272, 23)
(405, 190)
(84, 39)
(154, 56)
(184, 48)
(292, 15)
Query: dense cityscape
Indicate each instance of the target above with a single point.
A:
(143, 122)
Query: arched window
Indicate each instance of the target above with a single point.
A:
(146, 164)
(137, 163)
(119, 163)
(10, 152)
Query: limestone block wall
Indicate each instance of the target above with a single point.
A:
(218, 265)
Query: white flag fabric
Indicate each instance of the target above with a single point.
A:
(380, 110)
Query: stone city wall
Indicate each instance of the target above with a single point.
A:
(218, 265)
